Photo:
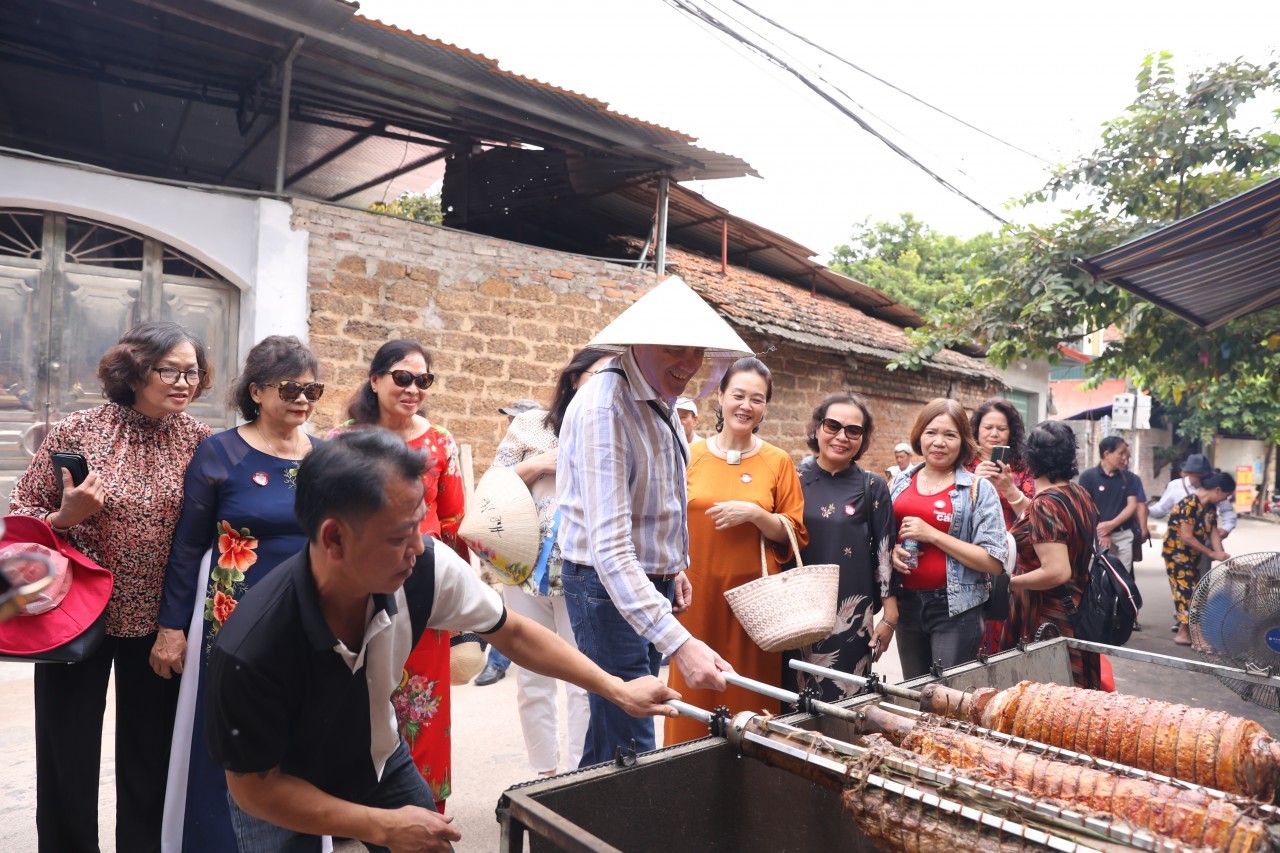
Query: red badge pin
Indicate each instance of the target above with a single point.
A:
(746, 478)
(261, 478)
(849, 509)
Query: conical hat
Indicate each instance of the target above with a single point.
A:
(501, 525)
(672, 315)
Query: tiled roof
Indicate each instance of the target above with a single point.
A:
(776, 308)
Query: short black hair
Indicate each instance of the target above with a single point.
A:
(1220, 480)
(272, 359)
(1109, 444)
(363, 408)
(1050, 451)
(346, 476)
(127, 365)
(1014, 419)
(848, 398)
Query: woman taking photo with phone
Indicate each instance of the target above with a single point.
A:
(122, 516)
(394, 397)
(998, 429)
(238, 504)
(951, 536)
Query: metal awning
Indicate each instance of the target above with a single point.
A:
(1220, 264)
(302, 97)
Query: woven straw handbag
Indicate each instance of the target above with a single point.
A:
(790, 609)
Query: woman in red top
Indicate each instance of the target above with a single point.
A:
(394, 398)
(954, 518)
(997, 423)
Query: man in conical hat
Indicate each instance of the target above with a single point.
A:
(621, 483)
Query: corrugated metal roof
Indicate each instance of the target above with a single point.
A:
(190, 90)
(1209, 268)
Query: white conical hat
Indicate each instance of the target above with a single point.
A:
(501, 525)
(672, 315)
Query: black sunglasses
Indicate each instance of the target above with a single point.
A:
(289, 390)
(404, 379)
(831, 426)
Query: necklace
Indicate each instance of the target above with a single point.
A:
(930, 488)
(262, 435)
(734, 457)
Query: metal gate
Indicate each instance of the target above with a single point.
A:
(69, 288)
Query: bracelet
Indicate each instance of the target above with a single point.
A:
(61, 531)
(893, 626)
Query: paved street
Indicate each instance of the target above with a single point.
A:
(489, 751)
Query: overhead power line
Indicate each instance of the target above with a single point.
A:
(892, 86)
(689, 8)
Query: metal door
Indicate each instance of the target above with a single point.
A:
(69, 288)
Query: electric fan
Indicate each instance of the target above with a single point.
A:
(1235, 620)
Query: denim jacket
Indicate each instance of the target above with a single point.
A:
(981, 524)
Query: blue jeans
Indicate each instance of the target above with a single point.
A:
(497, 659)
(401, 785)
(612, 644)
(927, 633)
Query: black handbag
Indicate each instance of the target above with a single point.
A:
(996, 607)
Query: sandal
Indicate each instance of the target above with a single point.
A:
(1182, 642)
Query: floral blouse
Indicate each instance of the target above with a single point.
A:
(141, 461)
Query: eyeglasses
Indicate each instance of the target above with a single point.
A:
(289, 390)
(169, 375)
(404, 379)
(831, 426)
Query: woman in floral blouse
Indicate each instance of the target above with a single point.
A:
(1193, 541)
(849, 517)
(239, 503)
(393, 398)
(123, 517)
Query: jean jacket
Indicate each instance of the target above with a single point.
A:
(980, 522)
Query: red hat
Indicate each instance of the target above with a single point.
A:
(84, 602)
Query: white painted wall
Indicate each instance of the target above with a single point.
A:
(1031, 377)
(247, 240)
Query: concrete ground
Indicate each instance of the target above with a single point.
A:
(488, 750)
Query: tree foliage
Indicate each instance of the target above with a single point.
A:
(911, 262)
(424, 207)
(1176, 150)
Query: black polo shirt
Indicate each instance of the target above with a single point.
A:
(283, 692)
(1110, 493)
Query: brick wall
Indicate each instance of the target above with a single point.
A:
(502, 318)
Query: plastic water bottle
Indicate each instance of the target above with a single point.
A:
(912, 547)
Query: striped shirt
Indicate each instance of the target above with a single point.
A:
(621, 485)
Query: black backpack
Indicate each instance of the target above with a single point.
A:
(1110, 602)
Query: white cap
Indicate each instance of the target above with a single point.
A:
(672, 315)
(902, 447)
(687, 404)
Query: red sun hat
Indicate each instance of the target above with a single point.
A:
(85, 599)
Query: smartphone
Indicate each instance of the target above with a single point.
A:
(73, 462)
(1000, 453)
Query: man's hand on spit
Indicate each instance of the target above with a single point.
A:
(700, 665)
(413, 829)
(644, 697)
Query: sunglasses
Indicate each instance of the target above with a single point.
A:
(404, 379)
(290, 390)
(831, 426)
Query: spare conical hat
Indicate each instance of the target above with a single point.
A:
(501, 525)
(672, 315)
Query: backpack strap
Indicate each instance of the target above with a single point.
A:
(663, 416)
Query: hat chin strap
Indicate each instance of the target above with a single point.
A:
(719, 365)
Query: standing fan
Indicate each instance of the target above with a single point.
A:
(1235, 620)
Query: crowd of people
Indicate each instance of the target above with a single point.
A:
(275, 592)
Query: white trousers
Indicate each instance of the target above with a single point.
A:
(539, 714)
(1122, 546)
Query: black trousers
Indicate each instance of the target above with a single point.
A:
(70, 702)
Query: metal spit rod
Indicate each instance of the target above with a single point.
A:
(1176, 662)
(837, 675)
(787, 696)
(806, 743)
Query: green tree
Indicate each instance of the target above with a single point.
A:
(424, 207)
(911, 262)
(1176, 150)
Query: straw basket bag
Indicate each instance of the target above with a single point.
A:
(790, 609)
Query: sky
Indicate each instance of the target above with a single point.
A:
(1042, 76)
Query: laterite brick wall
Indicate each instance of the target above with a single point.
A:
(501, 319)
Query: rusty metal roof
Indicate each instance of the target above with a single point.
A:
(191, 90)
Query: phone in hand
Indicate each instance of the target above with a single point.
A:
(1000, 453)
(73, 462)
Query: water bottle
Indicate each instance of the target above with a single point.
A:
(912, 547)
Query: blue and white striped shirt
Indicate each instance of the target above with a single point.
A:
(623, 503)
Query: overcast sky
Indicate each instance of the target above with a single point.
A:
(1040, 75)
